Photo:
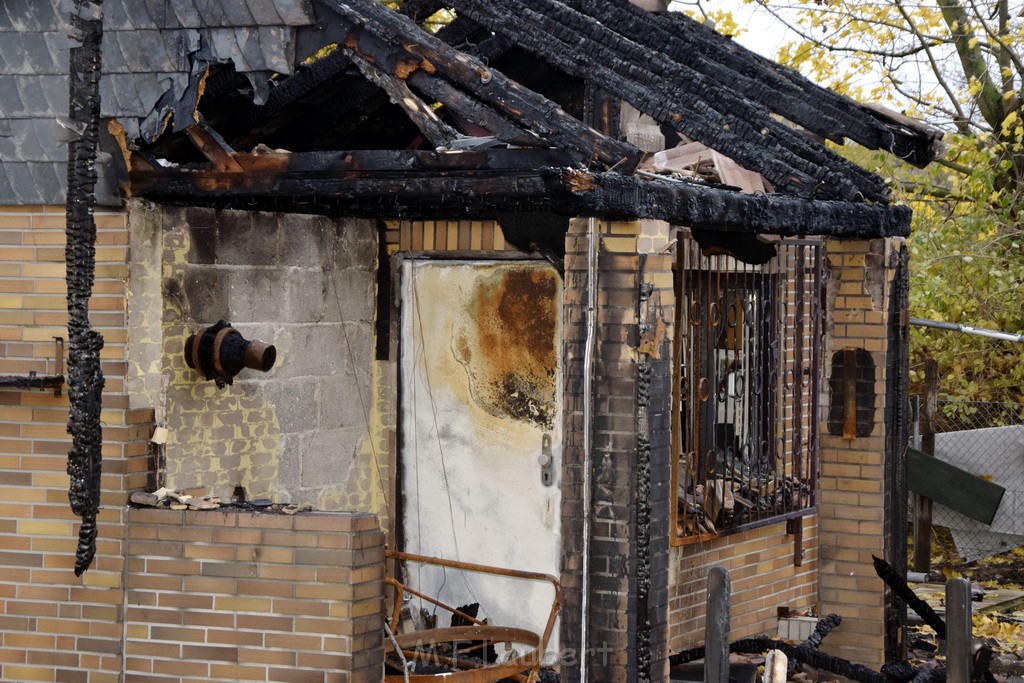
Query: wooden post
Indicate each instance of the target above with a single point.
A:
(716, 627)
(922, 505)
(959, 638)
(776, 666)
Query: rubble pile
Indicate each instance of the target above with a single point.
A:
(183, 500)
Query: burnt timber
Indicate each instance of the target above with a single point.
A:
(431, 184)
(455, 137)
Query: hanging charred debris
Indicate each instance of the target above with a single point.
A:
(494, 127)
(85, 380)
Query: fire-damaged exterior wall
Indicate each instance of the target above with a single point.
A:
(316, 428)
(625, 598)
(856, 479)
(764, 577)
(57, 626)
(319, 573)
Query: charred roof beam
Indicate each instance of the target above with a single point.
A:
(428, 53)
(378, 60)
(213, 147)
(439, 133)
(775, 87)
(675, 94)
(484, 184)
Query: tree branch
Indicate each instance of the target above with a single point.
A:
(935, 69)
(973, 61)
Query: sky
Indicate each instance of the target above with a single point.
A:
(763, 34)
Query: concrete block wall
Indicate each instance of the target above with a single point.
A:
(626, 603)
(225, 595)
(318, 427)
(56, 626)
(853, 486)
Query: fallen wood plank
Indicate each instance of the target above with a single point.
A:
(953, 487)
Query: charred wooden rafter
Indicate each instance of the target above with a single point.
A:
(469, 110)
(213, 147)
(483, 184)
(373, 56)
(777, 88)
(676, 94)
(439, 133)
(371, 25)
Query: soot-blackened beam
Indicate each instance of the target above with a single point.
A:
(677, 95)
(439, 133)
(213, 147)
(779, 89)
(471, 110)
(423, 51)
(403, 184)
(373, 56)
(612, 195)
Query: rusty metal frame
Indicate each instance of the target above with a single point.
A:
(475, 673)
(776, 338)
(33, 380)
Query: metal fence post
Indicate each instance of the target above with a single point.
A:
(959, 638)
(716, 627)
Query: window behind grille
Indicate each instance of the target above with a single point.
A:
(747, 358)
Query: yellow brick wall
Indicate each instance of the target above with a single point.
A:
(764, 577)
(446, 236)
(55, 626)
(852, 486)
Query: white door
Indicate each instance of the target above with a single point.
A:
(481, 399)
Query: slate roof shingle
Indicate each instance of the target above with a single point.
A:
(145, 52)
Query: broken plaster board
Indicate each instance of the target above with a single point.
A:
(996, 452)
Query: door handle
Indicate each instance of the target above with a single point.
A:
(547, 461)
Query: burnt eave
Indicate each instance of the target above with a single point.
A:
(407, 184)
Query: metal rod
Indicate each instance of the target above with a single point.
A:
(499, 571)
(401, 653)
(968, 329)
(588, 438)
(401, 589)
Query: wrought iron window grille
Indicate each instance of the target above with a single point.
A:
(748, 358)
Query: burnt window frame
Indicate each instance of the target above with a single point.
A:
(790, 288)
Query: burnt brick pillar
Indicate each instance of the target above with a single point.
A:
(862, 484)
(626, 598)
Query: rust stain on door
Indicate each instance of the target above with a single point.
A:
(508, 352)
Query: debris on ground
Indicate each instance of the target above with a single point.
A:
(195, 499)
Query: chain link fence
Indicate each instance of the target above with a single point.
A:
(985, 439)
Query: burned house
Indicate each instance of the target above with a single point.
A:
(569, 288)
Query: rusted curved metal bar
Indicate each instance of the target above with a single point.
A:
(401, 589)
(475, 672)
(479, 631)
